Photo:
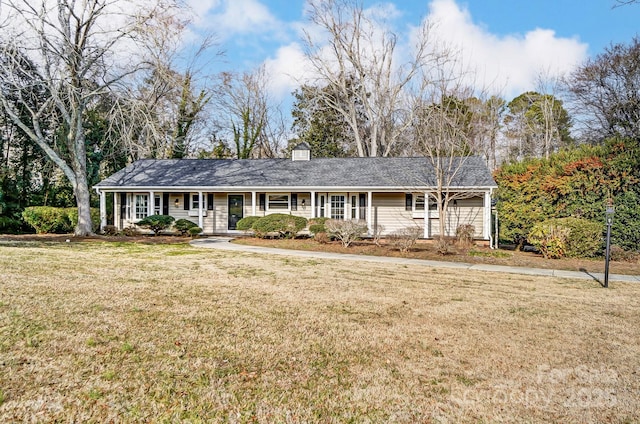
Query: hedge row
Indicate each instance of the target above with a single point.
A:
(47, 219)
(278, 224)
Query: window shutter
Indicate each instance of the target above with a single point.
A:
(165, 203)
(210, 201)
(123, 206)
(408, 202)
(185, 200)
(294, 201)
(263, 201)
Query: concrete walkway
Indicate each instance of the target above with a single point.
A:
(224, 244)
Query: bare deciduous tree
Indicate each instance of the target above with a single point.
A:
(74, 48)
(442, 130)
(359, 65)
(256, 124)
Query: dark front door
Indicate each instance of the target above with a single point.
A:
(236, 206)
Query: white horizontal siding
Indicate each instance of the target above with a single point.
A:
(389, 211)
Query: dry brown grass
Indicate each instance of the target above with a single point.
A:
(146, 333)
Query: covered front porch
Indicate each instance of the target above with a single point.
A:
(217, 212)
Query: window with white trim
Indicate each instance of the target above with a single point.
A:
(418, 202)
(141, 206)
(195, 201)
(278, 201)
(337, 203)
(157, 204)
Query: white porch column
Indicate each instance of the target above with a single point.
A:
(370, 212)
(253, 203)
(313, 204)
(426, 215)
(151, 203)
(200, 222)
(486, 227)
(103, 209)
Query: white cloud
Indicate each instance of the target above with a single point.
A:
(511, 63)
(228, 18)
(287, 69)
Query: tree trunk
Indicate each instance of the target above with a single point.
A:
(81, 191)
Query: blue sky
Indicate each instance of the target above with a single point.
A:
(509, 42)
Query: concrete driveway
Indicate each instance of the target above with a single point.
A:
(224, 243)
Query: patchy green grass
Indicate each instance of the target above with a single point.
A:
(93, 332)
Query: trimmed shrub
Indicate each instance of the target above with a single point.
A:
(464, 234)
(194, 231)
(570, 237)
(346, 231)
(47, 219)
(246, 223)
(72, 214)
(405, 238)
(316, 225)
(279, 224)
(156, 223)
(183, 226)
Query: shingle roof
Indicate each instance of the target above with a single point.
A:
(390, 172)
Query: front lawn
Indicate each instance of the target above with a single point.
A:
(132, 332)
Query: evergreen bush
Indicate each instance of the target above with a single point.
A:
(279, 224)
(246, 223)
(156, 223)
(183, 226)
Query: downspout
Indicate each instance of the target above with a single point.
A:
(491, 246)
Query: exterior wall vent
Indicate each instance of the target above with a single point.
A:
(301, 152)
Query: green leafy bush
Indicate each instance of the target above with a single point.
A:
(246, 223)
(156, 223)
(570, 237)
(47, 219)
(316, 225)
(194, 231)
(184, 225)
(281, 224)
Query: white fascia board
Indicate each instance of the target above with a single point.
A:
(218, 189)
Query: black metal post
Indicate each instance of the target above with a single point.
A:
(607, 254)
(609, 214)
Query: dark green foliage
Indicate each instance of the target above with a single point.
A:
(194, 231)
(156, 223)
(184, 225)
(573, 183)
(281, 224)
(47, 219)
(317, 124)
(316, 225)
(246, 223)
(625, 231)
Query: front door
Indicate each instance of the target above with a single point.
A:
(236, 208)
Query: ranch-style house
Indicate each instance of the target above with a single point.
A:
(395, 192)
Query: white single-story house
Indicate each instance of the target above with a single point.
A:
(216, 193)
